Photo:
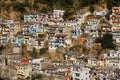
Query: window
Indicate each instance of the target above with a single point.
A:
(77, 74)
(21, 72)
(112, 54)
(76, 79)
(23, 68)
(18, 72)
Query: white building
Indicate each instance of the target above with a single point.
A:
(100, 13)
(58, 13)
(112, 54)
(71, 23)
(112, 59)
(116, 36)
(117, 40)
(89, 42)
(17, 49)
(43, 18)
(80, 73)
(31, 17)
(52, 46)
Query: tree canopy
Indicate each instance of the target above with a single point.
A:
(1, 49)
(37, 77)
(106, 41)
(33, 53)
(43, 50)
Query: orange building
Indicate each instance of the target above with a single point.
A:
(79, 41)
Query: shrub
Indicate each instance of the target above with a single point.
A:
(43, 50)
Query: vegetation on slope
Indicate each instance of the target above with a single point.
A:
(46, 6)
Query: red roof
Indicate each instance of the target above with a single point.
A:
(25, 61)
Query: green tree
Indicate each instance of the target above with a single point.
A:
(44, 10)
(37, 77)
(98, 40)
(85, 3)
(19, 6)
(27, 4)
(1, 49)
(34, 53)
(112, 3)
(67, 14)
(41, 35)
(23, 46)
(43, 50)
(106, 41)
(28, 78)
(22, 53)
(91, 9)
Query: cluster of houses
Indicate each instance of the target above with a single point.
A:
(58, 32)
(75, 66)
(84, 28)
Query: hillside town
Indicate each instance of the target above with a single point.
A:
(47, 47)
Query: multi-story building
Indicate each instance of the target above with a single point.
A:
(80, 73)
(43, 18)
(112, 59)
(115, 19)
(58, 15)
(31, 27)
(23, 70)
(112, 54)
(75, 32)
(17, 41)
(31, 17)
(117, 73)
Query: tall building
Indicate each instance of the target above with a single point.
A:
(79, 72)
(115, 19)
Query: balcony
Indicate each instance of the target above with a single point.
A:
(115, 21)
(117, 13)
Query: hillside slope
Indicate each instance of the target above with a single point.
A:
(15, 9)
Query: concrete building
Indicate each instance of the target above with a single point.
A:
(114, 19)
(80, 73)
(58, 13)
(23, 70)
(31, 17)
(112, 54)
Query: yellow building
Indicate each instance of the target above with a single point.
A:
(95, 62)
(23, 70)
